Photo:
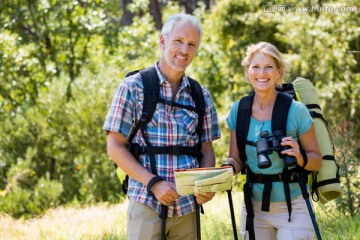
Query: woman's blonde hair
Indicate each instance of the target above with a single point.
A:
(268, 49)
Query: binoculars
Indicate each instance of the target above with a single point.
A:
(269, 143)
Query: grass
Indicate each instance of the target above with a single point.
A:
(338, 227)
(108, 222)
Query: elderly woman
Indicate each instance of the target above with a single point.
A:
(270, 211)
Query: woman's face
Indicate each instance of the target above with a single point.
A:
(262, 72)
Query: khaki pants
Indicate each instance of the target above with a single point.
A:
(143, 223)
(275, 225)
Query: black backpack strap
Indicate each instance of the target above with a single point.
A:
(287, 88)
(199, 99)
(280, 112)
(278, 123)
(242, 130)
(242, 126)
(151, 92)
(132, 73)
(317, 184)
(136, 150)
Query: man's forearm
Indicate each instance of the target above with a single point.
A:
(119, 153)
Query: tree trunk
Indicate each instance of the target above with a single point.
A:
(190, 5)
(127, 16)
(208, 4)
(155, 11)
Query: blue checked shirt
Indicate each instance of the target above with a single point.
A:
(169, 126)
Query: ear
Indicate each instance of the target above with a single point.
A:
(247, 74)
(162, 42)
(281, 72)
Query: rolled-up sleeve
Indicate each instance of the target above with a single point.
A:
(121, 113)
(211, 128)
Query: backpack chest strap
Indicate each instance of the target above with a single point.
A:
(194, 151)
(263, 178)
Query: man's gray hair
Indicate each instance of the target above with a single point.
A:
(181, 17)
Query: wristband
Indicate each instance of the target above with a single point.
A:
(229, 164)
(305, 158)
(152, 183)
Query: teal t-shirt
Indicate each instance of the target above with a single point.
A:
(299, 122)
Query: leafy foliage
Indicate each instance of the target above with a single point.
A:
(61, 61)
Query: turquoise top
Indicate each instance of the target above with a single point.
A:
(299, 122)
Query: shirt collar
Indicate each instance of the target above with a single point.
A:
(184, 83)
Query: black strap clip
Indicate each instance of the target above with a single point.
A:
(177, 150)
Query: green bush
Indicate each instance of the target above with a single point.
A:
(47, 193)
(18, 203)
(56, 90)
(21, 202)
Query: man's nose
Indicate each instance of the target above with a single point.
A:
(185, 48)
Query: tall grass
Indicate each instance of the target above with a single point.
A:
(338, 226)
(108, 222)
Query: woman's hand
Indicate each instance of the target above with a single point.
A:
(310, 150)
(294, 148)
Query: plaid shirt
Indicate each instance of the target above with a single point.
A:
(170, 125)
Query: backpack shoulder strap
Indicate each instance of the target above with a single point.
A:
(280, 112)
(151, 92)
(288, 88)
(199, 99)
(242, 126)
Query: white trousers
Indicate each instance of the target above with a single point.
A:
(275, 225)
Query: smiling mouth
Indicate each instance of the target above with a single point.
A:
(181, 57)
(262, 79)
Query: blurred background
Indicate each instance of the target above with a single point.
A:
(61, 62)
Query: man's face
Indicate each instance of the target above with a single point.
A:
(179, 48)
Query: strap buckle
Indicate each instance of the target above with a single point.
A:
(176, 150)
(152, 97)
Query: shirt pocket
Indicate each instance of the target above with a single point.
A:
(191, 120)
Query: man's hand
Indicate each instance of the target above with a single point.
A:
(165, 192)
(204, 197)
